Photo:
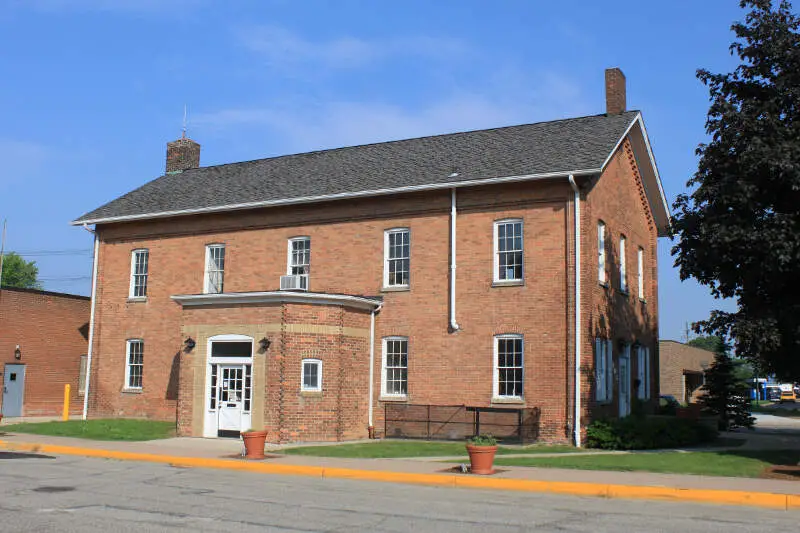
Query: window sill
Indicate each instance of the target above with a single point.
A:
(624, 292)
(508, 283)
(311, 393)
(603, 284)
(643, 300)
(396, 288)
(131, 391)
(385, 398)
(135, 299)
(502, 400)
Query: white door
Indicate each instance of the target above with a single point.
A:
(13, 390)
(231, 397)
(625, 383)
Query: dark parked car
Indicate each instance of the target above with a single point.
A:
(667, 404)
(773, 394)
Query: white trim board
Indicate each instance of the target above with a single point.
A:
(314, 298)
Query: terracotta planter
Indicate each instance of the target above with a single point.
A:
(481, 459)
(254, 444)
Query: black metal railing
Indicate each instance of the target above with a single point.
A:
(457, 422)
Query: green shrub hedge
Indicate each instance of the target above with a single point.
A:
(647, 433)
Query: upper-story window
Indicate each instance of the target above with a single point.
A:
(508, 250)
(396, 252)
(508, 366)
(299, 259)
(640, 261)
(601, 252)
(139, 267)
(215, 268)
(623, 269)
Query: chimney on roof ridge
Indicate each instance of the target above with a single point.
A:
(182, 154)
(615, 92)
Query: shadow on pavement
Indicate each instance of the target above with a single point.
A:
(23, 455)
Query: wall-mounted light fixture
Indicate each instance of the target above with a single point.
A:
(189, 343)
(264, 343)
(17, 353)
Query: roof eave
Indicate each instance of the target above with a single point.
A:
(266, 297)
(331, 197)
(664, 219)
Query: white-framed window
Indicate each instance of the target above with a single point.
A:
(601, 252)
(397, 255)
(312, 375)
(640, 261)
(508, 250)
(643, 371)
(509, 370)
(623, 269)
(603, 370)
(139, 267)
(395, 367)
(215, 269)
(299, 258)
(134, 363)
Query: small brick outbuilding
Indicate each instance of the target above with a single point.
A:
(43, 345)
(682, 370)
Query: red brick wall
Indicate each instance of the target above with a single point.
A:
(617, 199)
(51, 330)
(347, 257)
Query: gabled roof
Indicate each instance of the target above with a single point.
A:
(577, 146)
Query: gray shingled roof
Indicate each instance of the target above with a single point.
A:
(546, 147)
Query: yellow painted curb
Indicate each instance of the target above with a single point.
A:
(723, 497)
(793, 502)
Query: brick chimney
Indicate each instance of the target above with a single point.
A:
(615, 92)
(182, 154)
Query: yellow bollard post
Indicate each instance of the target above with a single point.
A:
(65, 415)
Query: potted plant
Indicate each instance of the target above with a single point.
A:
(254, 443)
(481, 450)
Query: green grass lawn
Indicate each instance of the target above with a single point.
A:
(410, 448)
(101, 429)
(729, 463)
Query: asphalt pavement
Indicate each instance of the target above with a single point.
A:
(66, 493)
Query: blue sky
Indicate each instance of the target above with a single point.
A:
(93, 89)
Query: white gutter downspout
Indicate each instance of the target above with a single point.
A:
(91, 326)
(370, 426)
(577, 213)
(453, 324)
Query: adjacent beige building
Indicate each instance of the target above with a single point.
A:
(682, 370)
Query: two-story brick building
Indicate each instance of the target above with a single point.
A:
(303, 293)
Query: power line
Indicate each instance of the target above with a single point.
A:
(51, 253)
(65, 278)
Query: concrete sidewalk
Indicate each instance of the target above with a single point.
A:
(225, 454)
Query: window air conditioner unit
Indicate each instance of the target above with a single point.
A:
(297, 282)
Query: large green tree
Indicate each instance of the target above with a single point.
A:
(738, 230)
(19, 273)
